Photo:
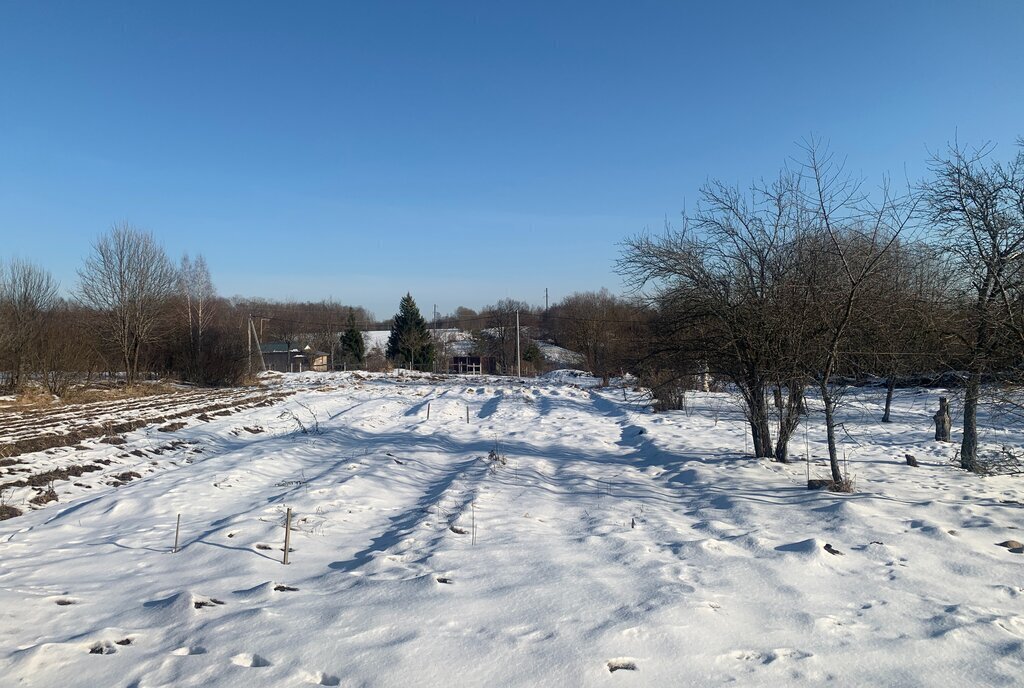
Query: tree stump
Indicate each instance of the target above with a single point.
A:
(943, 421)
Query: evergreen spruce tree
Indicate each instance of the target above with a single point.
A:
(410, 341)
(353, 346)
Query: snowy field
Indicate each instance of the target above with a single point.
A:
(564, 536)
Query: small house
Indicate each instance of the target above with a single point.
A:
(286, 358)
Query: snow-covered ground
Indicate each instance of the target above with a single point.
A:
(564, 536)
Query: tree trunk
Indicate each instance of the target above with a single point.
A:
(789, 420)
(128, 367)
(760, 431)
(830, 431)
(969, 444)
(890, 386)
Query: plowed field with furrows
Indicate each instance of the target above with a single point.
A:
(28, 430)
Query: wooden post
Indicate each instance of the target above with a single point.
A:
(519, 358)
(467, 414)
(943, 421)
(177, 531)
(287, 535)
(428, 410)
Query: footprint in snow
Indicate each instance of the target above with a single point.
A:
(622, 664)
(247, 659)
(102, 647)
(319, 678)
(768, 657)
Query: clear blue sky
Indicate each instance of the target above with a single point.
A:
(461, 151)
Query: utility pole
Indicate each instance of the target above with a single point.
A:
(248, 332)
(519, 359)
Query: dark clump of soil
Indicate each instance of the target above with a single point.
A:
(284, 588)
(75, 471)
(172, 427)
(44, 497)
(8, 462)
(126, 477)
(43, 479)
(114, 439)
(7, 511)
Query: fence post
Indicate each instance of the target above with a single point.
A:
(177, 531)
(428, 410)
(467, 414)
(943, 422)
(287, 534)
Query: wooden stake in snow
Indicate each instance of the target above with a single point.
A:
(428, 410)
(943, 422)
(287, 534)
(467, 414)
(177, 531)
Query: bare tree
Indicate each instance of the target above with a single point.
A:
(498, 339)
(718, 287)
(128, 280)
(902, 334)
(978, 205)
(598, 325)
(64, 353)
(27, 293)
(199, 298)
(856, 234)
